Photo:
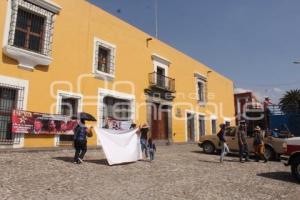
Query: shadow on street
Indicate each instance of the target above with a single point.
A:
(281, 176)
(71, 160)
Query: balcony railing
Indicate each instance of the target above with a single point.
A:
(162, 82)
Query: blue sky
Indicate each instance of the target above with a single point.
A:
(253, 42)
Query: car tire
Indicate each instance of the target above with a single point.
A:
(208, 147)
(269, 153)
(295, 167)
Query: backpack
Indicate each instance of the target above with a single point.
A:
(80, 133)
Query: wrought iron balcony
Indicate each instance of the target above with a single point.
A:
(162, 82)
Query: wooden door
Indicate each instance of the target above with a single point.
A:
(159, 123)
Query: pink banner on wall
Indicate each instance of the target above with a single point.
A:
(41, 123)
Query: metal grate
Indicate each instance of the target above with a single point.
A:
(69, 107)
(11, 97)
(31, 27)
(162, 82)
(105, 58)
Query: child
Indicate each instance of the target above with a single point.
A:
(151, 148)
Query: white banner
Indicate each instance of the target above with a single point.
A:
(120, 146)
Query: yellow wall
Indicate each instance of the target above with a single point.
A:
(37, 142)
(72, 51)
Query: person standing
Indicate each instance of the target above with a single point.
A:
(222, 141)
(81, 132)
(258, 144)
(144, 130)
(152, 149)
(243, 146)
(267, 103)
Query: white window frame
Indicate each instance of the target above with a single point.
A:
(202, 79)
(161, 62)
(63, 94)
(102, 93)
(201, 115)
(186, 124)
(17, 83)
(111, 62)
(213, 117)
(28, 59)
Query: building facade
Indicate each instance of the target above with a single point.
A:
(249, 109)
(63, 57)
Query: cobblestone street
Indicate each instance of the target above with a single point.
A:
(179, 172)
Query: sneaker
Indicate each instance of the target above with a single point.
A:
(80, 160)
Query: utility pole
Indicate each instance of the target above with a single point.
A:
(156, 17)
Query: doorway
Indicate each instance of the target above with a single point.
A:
(159, 121)
(160, 76)
(190, 127)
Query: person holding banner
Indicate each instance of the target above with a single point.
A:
(81, 132)
(144, 138)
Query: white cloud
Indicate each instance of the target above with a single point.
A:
(278, 90)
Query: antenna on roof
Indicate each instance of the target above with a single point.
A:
(156, 17)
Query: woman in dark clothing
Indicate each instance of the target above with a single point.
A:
(81, 132)
(144, 138)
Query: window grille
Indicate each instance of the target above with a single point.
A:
(31, 27)
(105, 58)
(118, 109)
(201, 125)
(11, 97)
(69, 107)
(214, 126)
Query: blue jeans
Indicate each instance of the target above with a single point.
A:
(144, 147)
(151, 152)
(244, 152)
(225, 150)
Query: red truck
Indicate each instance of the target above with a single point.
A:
(292, 156)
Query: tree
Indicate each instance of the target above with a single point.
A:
(290, 102)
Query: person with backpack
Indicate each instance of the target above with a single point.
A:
(81, 132)
(222, 142)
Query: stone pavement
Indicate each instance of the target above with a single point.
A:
(179, 172)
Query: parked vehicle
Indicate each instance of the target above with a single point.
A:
(291, 156)
(210, 143)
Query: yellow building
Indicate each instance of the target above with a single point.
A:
(62, 56)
